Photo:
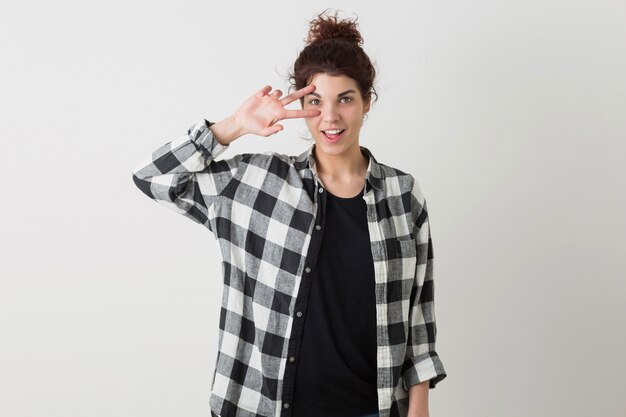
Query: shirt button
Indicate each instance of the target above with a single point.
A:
(318, 227)
(286, 405)
(321, 190)
(307, 269)
(292, 359)
(299, 313)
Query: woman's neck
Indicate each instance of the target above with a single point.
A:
(341, 166)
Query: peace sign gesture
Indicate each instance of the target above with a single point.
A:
(260, 113)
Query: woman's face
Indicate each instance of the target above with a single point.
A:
(341, 107)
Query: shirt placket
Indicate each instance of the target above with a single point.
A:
(302, 299)
(383, 353)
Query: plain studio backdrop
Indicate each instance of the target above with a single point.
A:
(511, 115)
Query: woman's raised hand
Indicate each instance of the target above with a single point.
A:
(262, 111)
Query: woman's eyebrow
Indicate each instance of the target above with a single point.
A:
(338, 95)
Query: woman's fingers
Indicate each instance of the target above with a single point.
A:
(287, 99)
(292, 114)
(288, 114)
(297, 94)
(263, 91)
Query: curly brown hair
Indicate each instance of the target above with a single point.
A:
(334, 47)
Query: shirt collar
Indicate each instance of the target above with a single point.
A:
(374, 175)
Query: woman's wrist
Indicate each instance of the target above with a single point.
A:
(227, 130)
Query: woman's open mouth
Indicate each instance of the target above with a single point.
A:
(333, 135)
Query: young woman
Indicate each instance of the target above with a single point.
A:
(328, 305)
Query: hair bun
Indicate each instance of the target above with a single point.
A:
(328, 27)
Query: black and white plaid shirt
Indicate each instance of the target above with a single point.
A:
(267, 212)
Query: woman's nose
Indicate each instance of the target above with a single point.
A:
(330, 114)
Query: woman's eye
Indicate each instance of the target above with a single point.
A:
(348, 99)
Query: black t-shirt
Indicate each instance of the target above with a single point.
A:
(336, 370)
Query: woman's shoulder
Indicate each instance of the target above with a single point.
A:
(392, 173)
(386, 172)
(404, 180)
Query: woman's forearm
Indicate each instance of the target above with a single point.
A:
(418, 400)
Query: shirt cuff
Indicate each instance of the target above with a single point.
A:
(202, 137)
(424, 367)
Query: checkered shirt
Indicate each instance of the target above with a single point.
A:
(266, 211)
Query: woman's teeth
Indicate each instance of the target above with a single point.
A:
(333, 134)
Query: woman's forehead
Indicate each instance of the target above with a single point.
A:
(332, 84)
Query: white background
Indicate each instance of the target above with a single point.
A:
(511, 115)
